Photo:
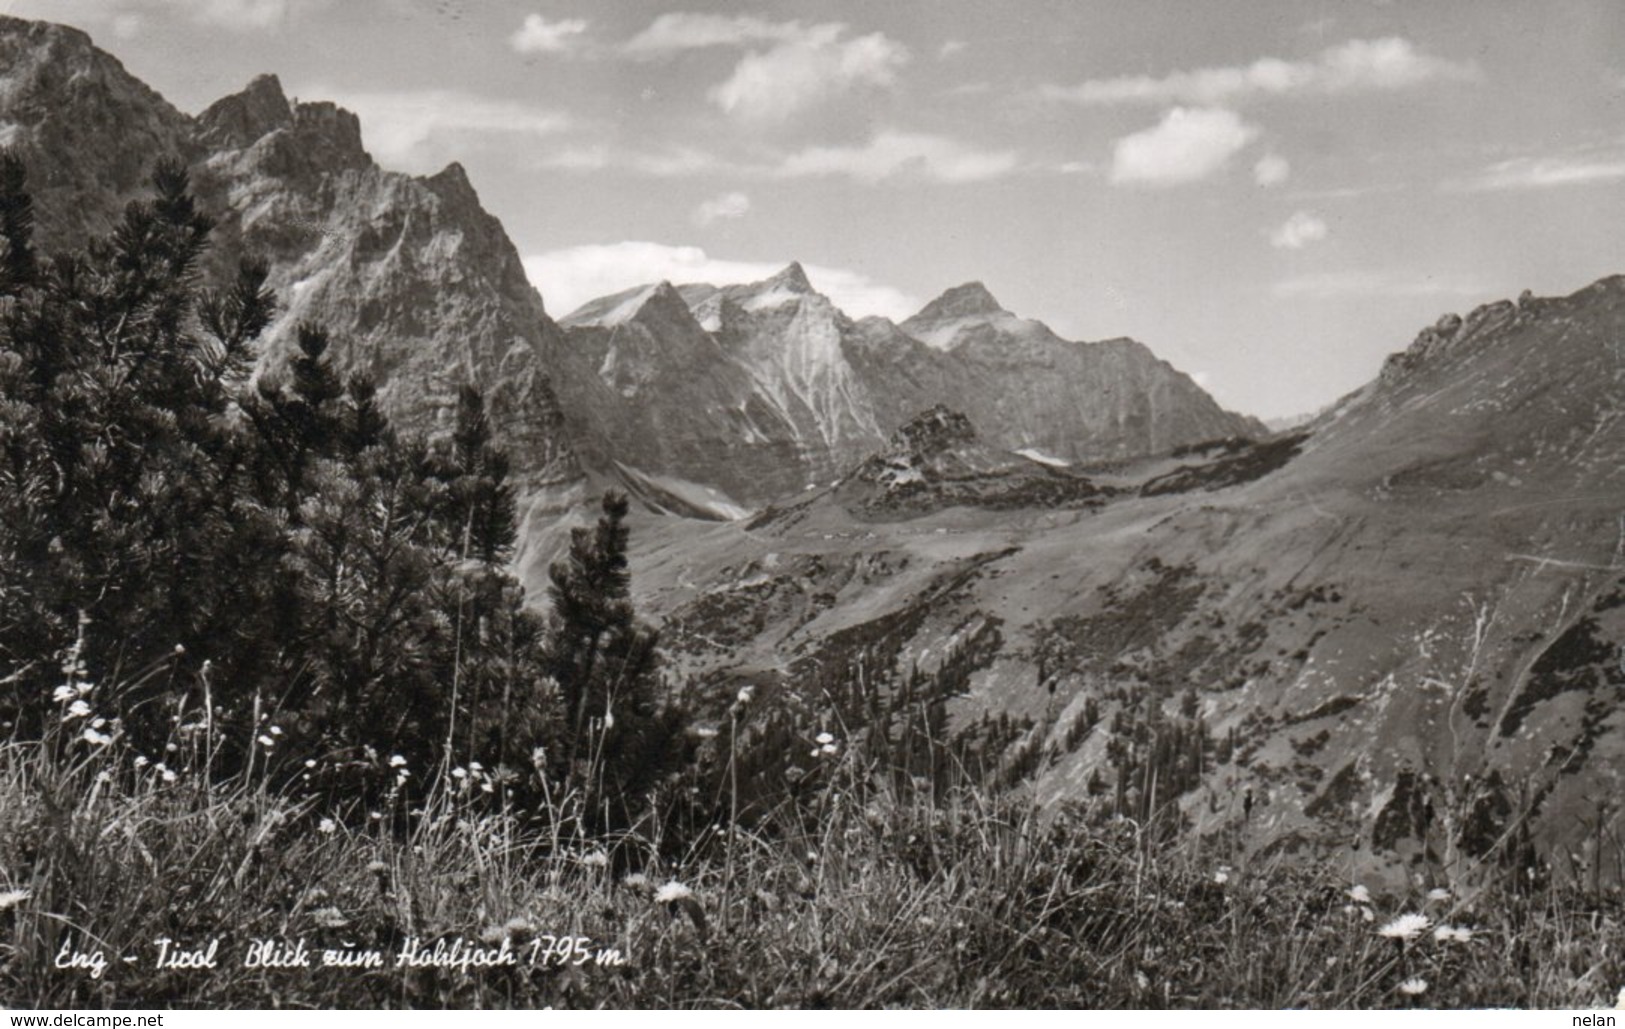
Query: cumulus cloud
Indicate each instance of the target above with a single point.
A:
(794, 66)
(892, 153)
(413, 130)
(1544, 173)
(722, 207)
(570, 277)
(1187, 145)
(1271, 170)
(1298, 231)
(537, 35)
(671, 33)
(772, 85)
(1349, 285)
(1360, 65)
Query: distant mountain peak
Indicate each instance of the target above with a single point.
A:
(792, 278)
(964, 301)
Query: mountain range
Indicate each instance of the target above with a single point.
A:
(1399, 623)
(733, 395)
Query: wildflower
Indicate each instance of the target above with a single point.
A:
(11, 898)
(98, 723)
(377, 867)
(746, 693)
(518, 927)
(396, 761)
(1222, 876)
(1414, 987)
(609, 719)
(171, 747)
(1438, 893)
(828, 748)
(310, 762)
(84, 688)
(1453, 934)
(824, 739)
(475, 767)
(266, 741)
(636, 881)
(673, 892)
(485, 787)
(326, 825)
(104, 777)
(1404, 927)
(91, 736)
(459, 773)
(141, 761)
(78, 709)
(538, 756)
(596, 859)
(1360, 895)
(329, 918)
(179, 650)
(64, 693)
(276, 730)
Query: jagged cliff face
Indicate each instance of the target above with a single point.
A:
(789, 391)
(417, 283)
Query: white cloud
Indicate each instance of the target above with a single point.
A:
(892, 153)
(572, 276)
(951, 48)
(1350, 285)
(801, 65)
(1544, 173)
(772, 85)
(720, 207)
(1298, 231)
(1360, 65)
(537, 35)
(1189, 144)
(1271, 170)
(401, 129)
(671, 33)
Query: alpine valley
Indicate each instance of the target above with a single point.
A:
(1393, 635)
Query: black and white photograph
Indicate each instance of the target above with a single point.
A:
(741, 504)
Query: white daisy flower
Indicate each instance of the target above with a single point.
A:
(1405, 927)
(672, 892)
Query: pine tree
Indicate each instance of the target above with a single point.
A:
(604, 663)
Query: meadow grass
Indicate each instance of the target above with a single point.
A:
(863, 899)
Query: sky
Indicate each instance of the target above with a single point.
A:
(1271, 195)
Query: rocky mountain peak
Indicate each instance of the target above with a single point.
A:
(792, 278)
(965, 301)
(242, 118)
(336, 129)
